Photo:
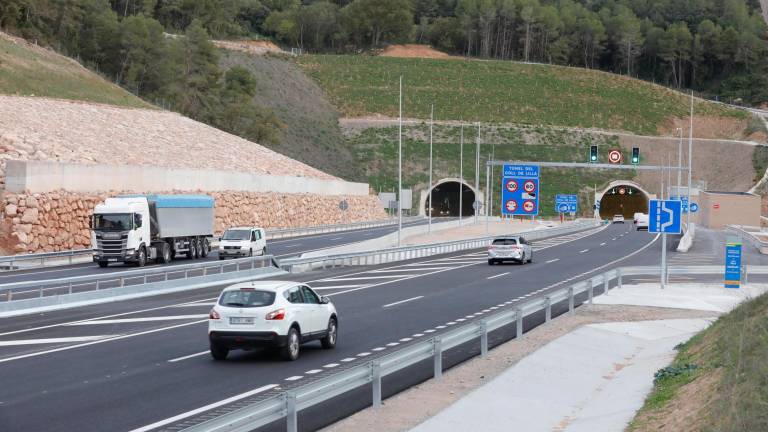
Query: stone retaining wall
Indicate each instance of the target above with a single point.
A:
(55, 221)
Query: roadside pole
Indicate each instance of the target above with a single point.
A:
(476, 205)
(431, 204)
(690, 166)
(400, 168)
(487, 197)
(663, 260)
(461, 173)
(679, 165)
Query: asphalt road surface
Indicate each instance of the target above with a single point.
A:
(280, 248)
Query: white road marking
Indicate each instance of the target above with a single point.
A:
(498, 275)
(585, 250)
(313, 371)
(408, 269)
(460, 320)
(187, 357)
(345, 279)
(205, 408)
(348, 359)
(53, 340)
(613, 239)
(363, 354)
(403, 301)
(136, 320)
(294, 378)
(292, 246)
(377, 349)
(406, 339)
(440, 327)
(331, 365)
(429, 331)
(552, 260)
(418, 335)
(209, 304)
(35, 354)
(336, 286)
(602, 244)
(391, 344)
(337, 238)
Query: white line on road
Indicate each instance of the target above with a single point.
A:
(363, 354)
(585, 250)
(317, 288)
(348, 359)
(205, 408)
(602, 244)
(408, 269)
(552, 260)
(498, 275)
(294, 378)
(137, 320)
(292, 246)
(403, 301)
(362, 278)
(313, 371)
(331, 365)
(187, 357)
(53, 340)
(209, 304)
(336, 238)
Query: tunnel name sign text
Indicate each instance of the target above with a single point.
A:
(566, 203)
(520, 190)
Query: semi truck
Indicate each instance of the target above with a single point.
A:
(137, 228)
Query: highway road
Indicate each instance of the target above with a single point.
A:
(143, 364)
(280, 248)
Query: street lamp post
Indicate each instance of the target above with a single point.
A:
(461, 174)
(690, 167)
(476, 205)
(431, 124)
(400, 168)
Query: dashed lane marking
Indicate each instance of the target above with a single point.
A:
(205, 408)
(178, 359)
(585, 250)
(552, 260)
(402, 301)
(313, 371)
(498, 275)
(138, 320)
(294, 378)
(348, 359)
(331, 365)
(53, 340)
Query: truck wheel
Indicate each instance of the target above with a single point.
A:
(199, 243)
(264, 251)
(206, 248)
(164, 254)
(142, 257)
(192, 249)
(103, 264)
(250, 253)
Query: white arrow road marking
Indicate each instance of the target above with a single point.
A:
(53, 340)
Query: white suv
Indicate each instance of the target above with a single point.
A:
(512, 248)
(274, 314)
(242, 242)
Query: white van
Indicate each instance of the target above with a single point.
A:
(642, 222)
(242, 241)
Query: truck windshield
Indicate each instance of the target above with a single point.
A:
(112, 222)
(236, 235)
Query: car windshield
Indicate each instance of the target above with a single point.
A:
(112, 222)
(236, 234)
(246, 299)
(505, 242)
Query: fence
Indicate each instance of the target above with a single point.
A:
(287, 404)
(753, 235)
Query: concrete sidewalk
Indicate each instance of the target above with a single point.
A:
(594, 378)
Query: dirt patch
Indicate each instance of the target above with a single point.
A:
(687, 412)
(414, 51)
(707, 127)
(413, 406)
(259, 47)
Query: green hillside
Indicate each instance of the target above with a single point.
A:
(28, 70)
(500, 92)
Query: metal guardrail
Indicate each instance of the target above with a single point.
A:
(140, 277)
(288, 403)
(749, 234)
(10, 261)
(382, 256)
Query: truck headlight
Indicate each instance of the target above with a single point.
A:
(130, 251)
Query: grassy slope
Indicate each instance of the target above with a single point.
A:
(728, 389)
(500, 92)
(376, 150)
(28, 70)
(311, 133)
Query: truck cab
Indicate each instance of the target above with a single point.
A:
(242, 242)
(121, 231)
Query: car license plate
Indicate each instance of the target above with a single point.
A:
(240, 320)
(112, 259)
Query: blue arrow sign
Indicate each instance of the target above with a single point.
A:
(665, 216)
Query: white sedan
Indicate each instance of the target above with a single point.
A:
(276, 314)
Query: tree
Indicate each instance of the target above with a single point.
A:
(197, 85)
(373, 21)
(675, 49)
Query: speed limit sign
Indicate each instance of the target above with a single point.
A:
(615, 157)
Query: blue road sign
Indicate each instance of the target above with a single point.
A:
(684, 200)
(665, 216)
(733, 265)
(566, 203)
(694, 207)
(520, 190)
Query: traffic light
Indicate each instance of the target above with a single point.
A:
(635, 156)
(593, 154)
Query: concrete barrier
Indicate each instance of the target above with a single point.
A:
(40, 177)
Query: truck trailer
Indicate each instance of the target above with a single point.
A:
(137, 228)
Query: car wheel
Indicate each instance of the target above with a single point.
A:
(103, 264)
(329, 341)
(219, 352)
(142, 257)
(490, 262)
(290, 351)
(522, 261)
(221, 258)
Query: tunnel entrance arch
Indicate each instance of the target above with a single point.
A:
(446, 196)
(622, 197)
